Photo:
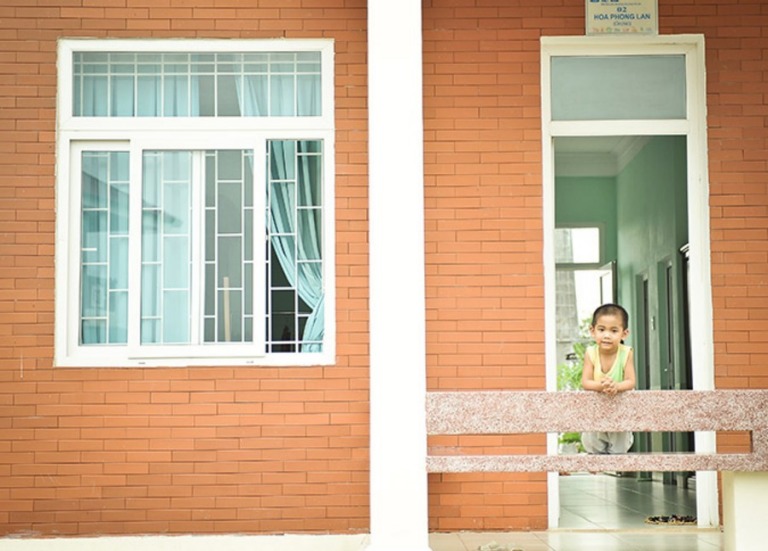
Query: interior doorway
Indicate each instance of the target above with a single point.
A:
(620, 222)
(624, 151)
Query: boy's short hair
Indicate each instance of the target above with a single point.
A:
(611, 310)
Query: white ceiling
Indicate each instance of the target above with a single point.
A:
(595, 156)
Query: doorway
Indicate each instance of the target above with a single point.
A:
(623, 125)
(623, 200)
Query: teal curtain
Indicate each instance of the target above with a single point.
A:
(297, 239)
(297, 231)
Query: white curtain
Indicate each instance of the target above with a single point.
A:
(154, 94)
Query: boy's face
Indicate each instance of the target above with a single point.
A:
(608, 332)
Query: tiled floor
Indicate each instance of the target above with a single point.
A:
(621, 540)
(600, 502)
(601, 513)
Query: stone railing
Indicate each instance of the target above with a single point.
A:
(521, 412)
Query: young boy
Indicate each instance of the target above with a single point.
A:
(609, 368)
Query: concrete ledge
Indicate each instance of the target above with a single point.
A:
(497, 412)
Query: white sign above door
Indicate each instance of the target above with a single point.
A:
(622, 17)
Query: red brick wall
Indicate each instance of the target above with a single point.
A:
(198, 450)
(483, 198)
(737, 86)
(206, 450)
(483, 213)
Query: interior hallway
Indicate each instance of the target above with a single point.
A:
(601, 513)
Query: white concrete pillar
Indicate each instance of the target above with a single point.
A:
(398, 485)
(745, 511)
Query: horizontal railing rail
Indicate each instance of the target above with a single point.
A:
(524, 412)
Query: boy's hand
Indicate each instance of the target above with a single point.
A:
(609, 387)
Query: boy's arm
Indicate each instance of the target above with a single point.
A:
(588, 375)
(629, 374)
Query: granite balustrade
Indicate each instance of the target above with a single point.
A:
(523, 412)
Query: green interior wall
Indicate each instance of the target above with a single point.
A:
(589, 201)
(651, 206)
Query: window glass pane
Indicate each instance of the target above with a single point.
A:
(118, 201)
(94, 96)
(175, 316)
(148, 97)
(118, 310)
(282, 156)
(94, 291)
(310, 176)
(230, 312)
(166, 84)
(618, 87)
(121, 102)
(282, 96)
(294, 235)
(118, 269)
(150, 241)
(230, 261)
(308, 90)
(176, 96)
(248, 329)
(176, 205)
(166, 267)
(577, 245)
(255, 93)
(93, 331)
(206, 94)
(104, 247)
(150, 289)
(277, 277)
(230, 165)
(94, 238)
(227, 102)
(228, 251)
(248, 296)
(309, 226)
(210, 296)
(176, 261)
(95, 166)
(230, 207)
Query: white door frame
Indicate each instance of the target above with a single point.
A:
(695, 129)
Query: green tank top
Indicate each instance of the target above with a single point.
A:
(617, 370)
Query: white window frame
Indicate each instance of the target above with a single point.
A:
(137, 134)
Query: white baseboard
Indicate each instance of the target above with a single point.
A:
(288, 542)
